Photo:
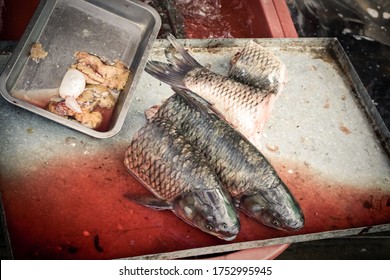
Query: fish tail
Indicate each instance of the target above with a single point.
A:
(166, 73)
(188, 60)
(174, 72)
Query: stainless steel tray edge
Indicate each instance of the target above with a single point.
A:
(367, 103)
(262, 243)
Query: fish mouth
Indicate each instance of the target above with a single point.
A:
(228, 238)
(230, 234)
(296, 225)
(289, 225)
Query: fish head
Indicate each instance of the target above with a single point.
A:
(275, 208)
(212, 211)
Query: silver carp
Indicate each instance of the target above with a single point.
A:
(248, 176)
(181, 179)
(247, 108)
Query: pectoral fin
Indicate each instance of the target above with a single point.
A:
(149, 201)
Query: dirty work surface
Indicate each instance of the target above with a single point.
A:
(62, 190)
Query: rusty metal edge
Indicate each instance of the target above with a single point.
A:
(262, 243)
(362, 95)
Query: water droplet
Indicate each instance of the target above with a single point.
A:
(346, 31)
(71, 141)
(372, 12)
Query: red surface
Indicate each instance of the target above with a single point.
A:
(284, 17)
(73, 208)
(239, 19)
(16, 14)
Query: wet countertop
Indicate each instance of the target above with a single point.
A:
(63, 190)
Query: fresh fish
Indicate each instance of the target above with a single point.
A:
(250, 179)
(247, 108)
(181, 179)
(258, 67)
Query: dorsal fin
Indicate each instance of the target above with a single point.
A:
(192, 99)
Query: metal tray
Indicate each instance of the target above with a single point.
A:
(63, 191)
(119, 29)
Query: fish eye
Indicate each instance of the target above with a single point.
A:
(276, 223)
(209, 226)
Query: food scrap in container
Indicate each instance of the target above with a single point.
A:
(104, 82)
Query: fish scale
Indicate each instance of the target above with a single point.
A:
(245, 106)
(153, 161)
(242, 169)
(251, 180)
(180, 178)
(228, 96)
(258, 67)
